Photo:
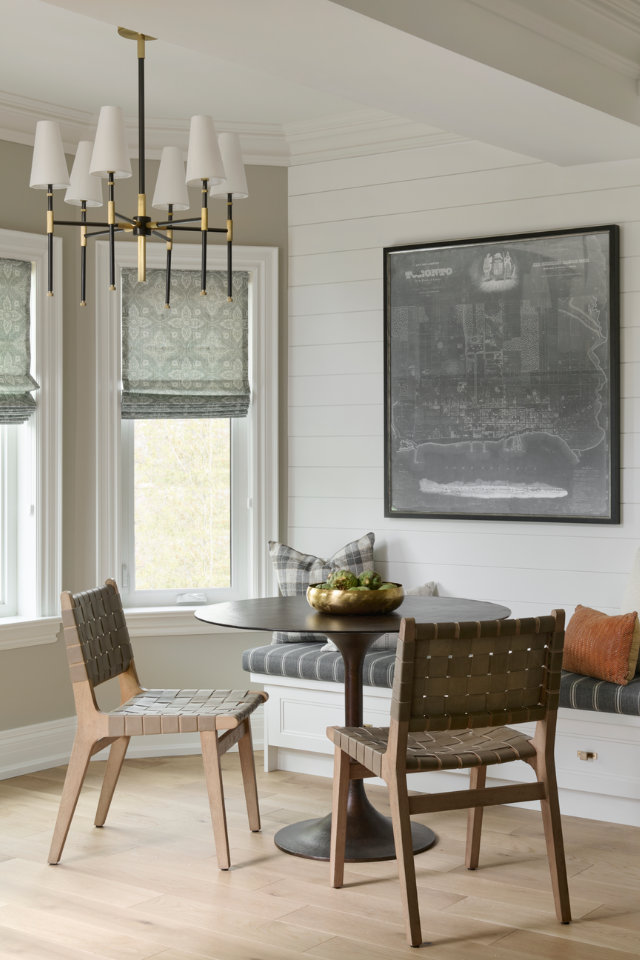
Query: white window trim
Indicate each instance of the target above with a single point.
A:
(9, 520)
(262, 423)
(39, 622)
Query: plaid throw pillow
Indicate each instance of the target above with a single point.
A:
(295, 571)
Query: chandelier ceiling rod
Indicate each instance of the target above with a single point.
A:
(216, 166)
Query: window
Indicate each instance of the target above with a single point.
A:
(177, 474)
(195, 499)
(30, 447)
(184, 505)
(8, 519)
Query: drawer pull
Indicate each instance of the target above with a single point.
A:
(587, 755)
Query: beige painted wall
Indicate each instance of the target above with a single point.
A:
(34, 681)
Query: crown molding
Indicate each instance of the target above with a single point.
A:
(626, 13)
(19, 115)
(551, 30)
(262, 143)
(354, 134)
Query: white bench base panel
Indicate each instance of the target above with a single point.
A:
(299, 711)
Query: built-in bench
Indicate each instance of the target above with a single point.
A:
(305, 686)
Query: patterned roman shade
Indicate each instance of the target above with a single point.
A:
(192, 360)
(16, 382)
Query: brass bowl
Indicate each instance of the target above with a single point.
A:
(355, 603)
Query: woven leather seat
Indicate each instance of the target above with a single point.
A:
(181, 711)
(99, 649)
(440, 750)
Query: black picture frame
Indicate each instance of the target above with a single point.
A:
(502, 378)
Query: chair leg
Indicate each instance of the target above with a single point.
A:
(76, 771)
(117, 754)
(248, 768)
(399, 800)
(474, 820)
(213, 777)
(339, 816)
(550, 808)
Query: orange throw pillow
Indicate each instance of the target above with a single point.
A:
(600, 646)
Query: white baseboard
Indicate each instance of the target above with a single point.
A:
(36, 747)
(607, 788)
(43, 745)
(573, 803)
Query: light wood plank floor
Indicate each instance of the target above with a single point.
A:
(147, 885)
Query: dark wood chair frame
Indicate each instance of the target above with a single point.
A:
(539, 647)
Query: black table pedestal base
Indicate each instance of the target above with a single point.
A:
(369, 834)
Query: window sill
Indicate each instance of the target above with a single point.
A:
(170, 622)
(28, 631)
(142, 622)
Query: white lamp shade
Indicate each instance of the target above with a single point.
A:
(203, 160)
(83, 185)
(49, 164)
(236, 184)
(170, 185)
(110, 151)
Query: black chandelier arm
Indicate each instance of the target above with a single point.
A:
(167, 296)
(162, 236)
(83, 256)
(50, 237)
(204, 227)
(198, 230)
(166, 223)
(141, 149)
(111, 217)
(101, 233)
(80, 223)
(128, 219)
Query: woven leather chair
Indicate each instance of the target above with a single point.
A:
(98, 648)
(454, 684)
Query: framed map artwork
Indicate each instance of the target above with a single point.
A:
(502, 378)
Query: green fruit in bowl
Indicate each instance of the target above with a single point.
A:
(322, 586)
(353, 589)
(370, 579)
(343, 580)
(387, 586)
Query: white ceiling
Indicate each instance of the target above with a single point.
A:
(588, 50)
(78, 61)
(308, 79)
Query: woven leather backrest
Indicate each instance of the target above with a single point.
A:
(459, 675)
(96, 635)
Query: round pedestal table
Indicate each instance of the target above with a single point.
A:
(369, 833)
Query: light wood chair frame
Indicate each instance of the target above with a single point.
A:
(408, 715)
(93, 735)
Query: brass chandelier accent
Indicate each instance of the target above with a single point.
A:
(213, 163)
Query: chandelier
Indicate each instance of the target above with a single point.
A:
(214, 163)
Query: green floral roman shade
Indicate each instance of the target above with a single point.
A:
(16, 382)
(192, 360)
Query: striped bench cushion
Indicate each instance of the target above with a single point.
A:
(587, 693)
(308, 661)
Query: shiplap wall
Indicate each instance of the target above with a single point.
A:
(342, 213)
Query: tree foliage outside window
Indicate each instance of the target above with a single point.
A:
(182, 505)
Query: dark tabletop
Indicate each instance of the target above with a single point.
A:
(293, 614)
